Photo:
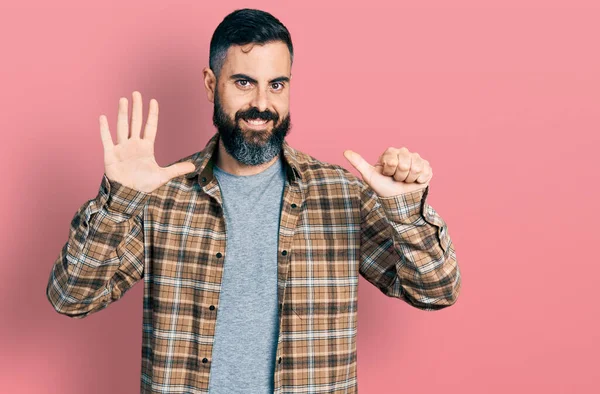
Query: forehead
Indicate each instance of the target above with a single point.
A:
(260, 61)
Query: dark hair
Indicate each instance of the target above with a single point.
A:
(242, 27)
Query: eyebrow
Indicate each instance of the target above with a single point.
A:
(249, 78)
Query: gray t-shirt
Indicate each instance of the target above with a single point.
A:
(247, 327)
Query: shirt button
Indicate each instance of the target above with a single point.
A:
(205, 360)
(212, 307)
(284, 252)
(203, 179)
(219, 255)
(294, 205)
(279, 360)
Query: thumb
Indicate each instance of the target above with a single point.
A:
(179, 169)
(360, 164)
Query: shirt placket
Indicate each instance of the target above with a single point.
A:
(293, 201)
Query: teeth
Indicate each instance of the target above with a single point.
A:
(256, 121)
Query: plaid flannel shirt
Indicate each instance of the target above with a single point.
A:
(332, 228)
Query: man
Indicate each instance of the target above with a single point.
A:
(250, 250)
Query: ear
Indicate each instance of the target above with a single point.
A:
(210, 83)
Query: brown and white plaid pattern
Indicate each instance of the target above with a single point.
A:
(332, 228)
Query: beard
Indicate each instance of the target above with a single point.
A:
(250, 147)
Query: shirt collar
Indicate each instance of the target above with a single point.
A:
(204, 161)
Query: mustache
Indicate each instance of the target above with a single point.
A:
(254, 113)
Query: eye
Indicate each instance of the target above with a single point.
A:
(278, 83)
(243, 83)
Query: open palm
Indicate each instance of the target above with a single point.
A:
(131, 162)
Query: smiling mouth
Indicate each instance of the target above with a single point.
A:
(256, 123)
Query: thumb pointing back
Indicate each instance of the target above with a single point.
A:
(359, 163)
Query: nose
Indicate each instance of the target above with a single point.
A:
(260, 100)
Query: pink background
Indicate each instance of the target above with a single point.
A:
(502, 97)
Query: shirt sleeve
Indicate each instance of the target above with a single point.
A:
(104, 254)
(406, 250)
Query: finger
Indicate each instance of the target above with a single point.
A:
(363, 167)
(378, 166)
(122, 122)
(389, 161)
(425, 176)
(416, 168)
(136, 115)
(180, 169)
(107, 141)
(152, 121)
(402, 165)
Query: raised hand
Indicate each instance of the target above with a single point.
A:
(396, 172)
(131, 162)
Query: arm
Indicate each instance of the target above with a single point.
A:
(104, 254)
(406, 250)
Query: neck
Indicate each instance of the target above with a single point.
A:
(229, 164)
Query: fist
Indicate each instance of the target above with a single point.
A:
(396, 172)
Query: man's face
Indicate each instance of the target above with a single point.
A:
(251, 101)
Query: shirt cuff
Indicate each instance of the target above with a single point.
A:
(120, 198)
(405, 208)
